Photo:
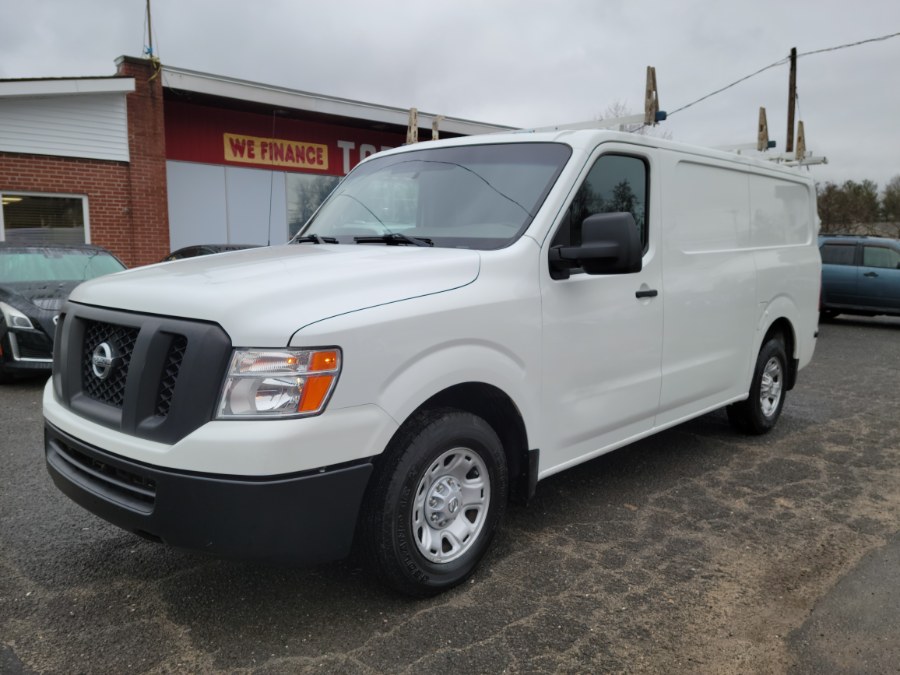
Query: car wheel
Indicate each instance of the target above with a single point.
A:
(759, 413)
(435, 501)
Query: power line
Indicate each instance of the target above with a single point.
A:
(729, 86)
(850, 44)
(782, 62)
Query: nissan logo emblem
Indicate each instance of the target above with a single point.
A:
(102, 360)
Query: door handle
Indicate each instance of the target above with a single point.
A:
(870, 274)
(649, 293)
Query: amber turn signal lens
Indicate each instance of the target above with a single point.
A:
(314, 392)
(323, 362)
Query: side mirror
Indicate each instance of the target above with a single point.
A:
(610, 244)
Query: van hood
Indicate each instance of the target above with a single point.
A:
(262, 296)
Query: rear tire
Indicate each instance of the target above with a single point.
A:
(434, 502)
(760, 412)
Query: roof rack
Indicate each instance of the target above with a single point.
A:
(798, 158)
(651, 117)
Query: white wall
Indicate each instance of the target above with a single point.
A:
(87, 125)
(225, 205)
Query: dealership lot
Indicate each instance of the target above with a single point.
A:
(697, 550)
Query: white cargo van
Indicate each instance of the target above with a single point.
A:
(460, 320)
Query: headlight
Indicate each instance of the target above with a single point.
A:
(275, 383)
(14, 318)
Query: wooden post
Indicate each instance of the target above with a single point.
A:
(651, 98)
(762, 136)
(792, 99)
(435, 123)
(801, 141)
(412, 131)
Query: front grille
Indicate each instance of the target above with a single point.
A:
(164, 377)
(30, 346)
(170, 375)
(29, 352)
(121, 339)
(132, 489)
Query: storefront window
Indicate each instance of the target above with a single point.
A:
(304, 194)
(40, 219)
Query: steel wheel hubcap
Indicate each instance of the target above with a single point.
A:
(451, 504)
(771, 387)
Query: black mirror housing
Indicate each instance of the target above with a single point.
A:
(610, 244)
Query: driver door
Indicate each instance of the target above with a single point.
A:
(602, 334)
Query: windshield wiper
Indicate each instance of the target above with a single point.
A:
(315, 239)
(394, 239)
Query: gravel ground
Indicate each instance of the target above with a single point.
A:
(695, 551)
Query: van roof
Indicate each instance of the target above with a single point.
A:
(586, 140)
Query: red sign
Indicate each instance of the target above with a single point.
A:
(210, 135)
(275, 152)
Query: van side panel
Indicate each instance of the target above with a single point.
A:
(709, 277)
(787, 258)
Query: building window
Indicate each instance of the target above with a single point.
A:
(305, 191)
(43, 219)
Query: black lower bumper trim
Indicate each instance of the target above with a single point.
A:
(298, 519)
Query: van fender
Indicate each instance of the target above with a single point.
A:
(445, 365)
(783, 310)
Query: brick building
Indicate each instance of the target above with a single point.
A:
(156, 158)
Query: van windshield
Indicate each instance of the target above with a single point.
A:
(474, 196)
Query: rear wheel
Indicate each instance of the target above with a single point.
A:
(435, 502)
(759, 413)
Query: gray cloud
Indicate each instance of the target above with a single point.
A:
(522, 63)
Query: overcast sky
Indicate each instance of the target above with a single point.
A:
(519, 62)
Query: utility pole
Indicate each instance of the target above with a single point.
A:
(149, 31)
(792, 98)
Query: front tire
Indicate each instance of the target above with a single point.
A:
(760, 412)
(435, 501)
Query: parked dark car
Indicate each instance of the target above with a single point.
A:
(34, 283)
(204, 249)
(860, 275)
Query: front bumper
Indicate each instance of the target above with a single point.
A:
(304, 518)
(25, 353)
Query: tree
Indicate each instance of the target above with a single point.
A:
(624, 200)
(863, 201)
(890, 204)
(621, 109)
(852, 208)
(307, 192)
(828, 197)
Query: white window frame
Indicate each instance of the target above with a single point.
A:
(85, 210)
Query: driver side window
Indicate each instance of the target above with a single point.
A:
(614, 183)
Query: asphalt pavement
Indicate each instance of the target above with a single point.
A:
(695, 551)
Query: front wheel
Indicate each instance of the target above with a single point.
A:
(435, 502)
(759, 413)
